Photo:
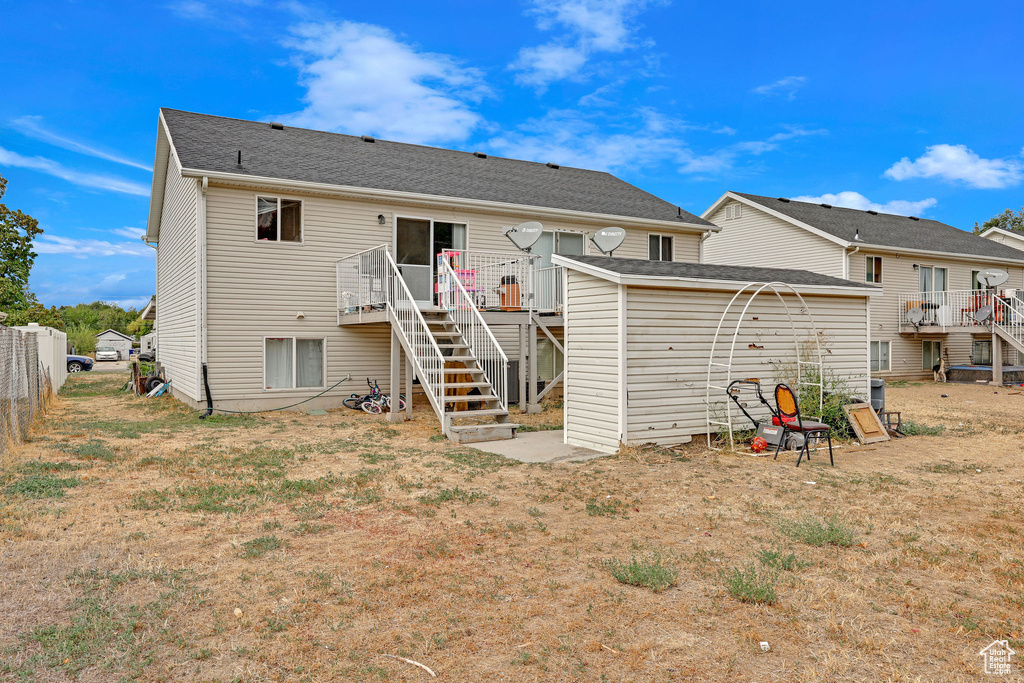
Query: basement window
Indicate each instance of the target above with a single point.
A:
(293, 363)
(873, 269)
(659, 247)
(278, 219)
(981, 353)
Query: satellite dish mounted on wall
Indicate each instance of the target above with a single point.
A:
(915, 316)
(524, 235)
(992, 278)
(983, 315)
(608, 240)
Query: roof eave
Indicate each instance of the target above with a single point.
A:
(941, 254)
(420, 198)
(777, 214)
(705, 283)
(164, 151)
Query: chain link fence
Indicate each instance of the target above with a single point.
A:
(24, 386)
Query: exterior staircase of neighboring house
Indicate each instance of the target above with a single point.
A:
(1008, 321)
(459, 364)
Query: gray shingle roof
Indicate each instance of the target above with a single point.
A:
(709, 271)
(211, 143)
(886, 229)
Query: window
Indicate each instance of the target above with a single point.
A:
(932, 354)
(974, 280)
(873, 269)
(659, 247)
(981, 353)
(278, 220)
(549, 360)
(291, 363)
(880, 356)
(934, 279)
(552, 242)
(733, 211)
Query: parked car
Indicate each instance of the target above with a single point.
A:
(148, 356)
(107, 353)
(79, 363)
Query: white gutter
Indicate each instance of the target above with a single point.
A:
(438, 200)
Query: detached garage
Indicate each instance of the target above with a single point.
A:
(121, 342)
(639, 337)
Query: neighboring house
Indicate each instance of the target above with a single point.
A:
(931, 303)
(122, 342)
(289, 258)
(1011, 238)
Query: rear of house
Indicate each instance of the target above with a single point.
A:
(921, 265)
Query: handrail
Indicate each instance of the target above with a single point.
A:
(475, 332)
(1009, 319)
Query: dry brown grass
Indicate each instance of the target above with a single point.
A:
(295, 547)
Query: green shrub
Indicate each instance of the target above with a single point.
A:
(776, 559)
(648, 572)
(750, 585)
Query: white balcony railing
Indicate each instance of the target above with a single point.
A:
(501, 281)
(940, 311)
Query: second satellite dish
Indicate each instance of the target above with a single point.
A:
(915, 316)
(608, 240)
(992, 278)
(525, 235)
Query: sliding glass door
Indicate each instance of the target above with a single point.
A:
(418, 241)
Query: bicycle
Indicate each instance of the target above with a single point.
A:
(375, 402)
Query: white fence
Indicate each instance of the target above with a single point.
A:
(938, 311)
(24, 386)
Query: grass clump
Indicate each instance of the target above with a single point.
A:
(42, 486)
(752, 586)
(93, 449)
(776, 559)
(609, 507)
(819, 532)
(448, 495)
(258, 547)
(652, 572)
(918, 429)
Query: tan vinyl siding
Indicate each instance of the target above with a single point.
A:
(592, 363)
(177, 284)
(1015, 242)
(757, 238)
(899, 277)
(256, 289)
(669, 337)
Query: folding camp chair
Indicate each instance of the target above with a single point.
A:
(789, 416)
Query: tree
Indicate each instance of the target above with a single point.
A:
(35, 312)
(1007, 220)
(17, 230)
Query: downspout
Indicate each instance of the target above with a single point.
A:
(700, 245)
(201, 304)
(846, 261)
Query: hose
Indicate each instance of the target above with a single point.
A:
(268, 410)
(209, 399)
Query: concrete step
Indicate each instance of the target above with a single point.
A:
(478, 433)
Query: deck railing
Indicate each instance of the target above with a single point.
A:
(925, 312)
(1008, 318)
(462, 310)
(507, 281)
(547, 287)
(369, 281)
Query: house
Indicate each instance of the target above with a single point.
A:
(932, 306)
(651, 347)
(1011, 238)
(122, 342)
(288, 259)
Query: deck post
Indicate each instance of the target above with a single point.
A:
(531, 381)
(522, 368)
(408, 386)
(997, 360)
(395, 385)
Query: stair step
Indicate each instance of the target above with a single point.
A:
(470, 398)
(478, 433)
(485, 412)
(463, 371)
(452, 346)
(467, 385)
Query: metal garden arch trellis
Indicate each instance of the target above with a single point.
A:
(727, 367)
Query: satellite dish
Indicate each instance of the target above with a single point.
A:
(608, 240)
(525, 235)
(993, 278)
(983, 314)
(915, 316)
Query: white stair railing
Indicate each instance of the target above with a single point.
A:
(369, 281)
(476, 334)
(1008, 320)
(547, 288)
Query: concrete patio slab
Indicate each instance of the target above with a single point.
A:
(545, 446)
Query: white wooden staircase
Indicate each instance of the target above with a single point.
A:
(1008, 321)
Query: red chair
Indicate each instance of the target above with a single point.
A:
(789, 416)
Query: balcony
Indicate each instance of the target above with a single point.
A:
(940, 312)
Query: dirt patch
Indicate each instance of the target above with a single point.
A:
(295, 547)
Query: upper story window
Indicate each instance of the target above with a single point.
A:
(278, 219)
(873, 269)
(733, 211)
(659, 247)
(556, 242)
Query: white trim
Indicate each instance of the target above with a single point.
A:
(1006, 233)
(295, 355)
(120, 334)
(704, 283)
(566, 331)
(279, 197)
(623, 384)
(237, 179)
(888, 354)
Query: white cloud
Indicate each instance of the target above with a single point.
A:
(360, 78)
(591, 27)
(31, 126)
(855, 200)
(130, 233)
(957, 162)
(83, 248)
(93, 180)
(785, 87)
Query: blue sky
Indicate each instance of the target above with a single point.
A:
(910, 107)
